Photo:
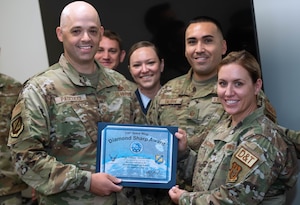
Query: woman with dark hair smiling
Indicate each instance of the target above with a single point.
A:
(145, 66)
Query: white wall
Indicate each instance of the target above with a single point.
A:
(23, 50)
(278, 33)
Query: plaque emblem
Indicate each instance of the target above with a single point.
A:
(136, 147)
(159, 159)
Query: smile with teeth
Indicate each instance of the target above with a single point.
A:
(201, 57)
(230, 102)
(85, 47)
(146, 76)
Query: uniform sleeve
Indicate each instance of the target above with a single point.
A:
(29, 137)
(293, 137)
(254, 168)
(10, 182)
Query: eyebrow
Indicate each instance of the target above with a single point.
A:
(206, 36)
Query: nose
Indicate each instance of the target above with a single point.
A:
(229, 90)
(105, 54)
(200, 47)
(85, 36)
(144, 67)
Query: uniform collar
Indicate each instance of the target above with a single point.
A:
(207, 87)
(80, 80)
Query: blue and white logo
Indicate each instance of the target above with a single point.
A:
(136, 147)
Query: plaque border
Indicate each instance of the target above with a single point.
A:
(141, 184)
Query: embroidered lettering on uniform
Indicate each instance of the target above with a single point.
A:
(234, 172)
(125, 93)
(17, 127)
(176, 101)
(70, 98)
(246, 157)
(215, 100)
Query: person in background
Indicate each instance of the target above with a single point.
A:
(11, 185)
(53, 134)
(110, 52)
(244, 159)
(145, 66)
(190, 101)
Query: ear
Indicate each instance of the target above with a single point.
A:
(59, 34)
(162, 65)
(224, 47)
(258, 86)
(101, 32)
(122, 56)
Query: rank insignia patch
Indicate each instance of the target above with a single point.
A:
(215, 100)
(16, 127)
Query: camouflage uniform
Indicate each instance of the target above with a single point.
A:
(194, 107)
(132, 85)
(10, 186)
(53, 133)
(246, 164)
(293, 136)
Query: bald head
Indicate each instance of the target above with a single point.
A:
(80, 31)
(77, 9)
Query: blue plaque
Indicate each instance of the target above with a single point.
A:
(140, 155)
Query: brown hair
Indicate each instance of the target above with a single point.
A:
(141, 44)
(113, 36)
(246, 60)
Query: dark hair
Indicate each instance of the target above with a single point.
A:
(113, 36)
(244, 59)
(199, 19)
(141, 44)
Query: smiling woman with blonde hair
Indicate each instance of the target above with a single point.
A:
(244, 159)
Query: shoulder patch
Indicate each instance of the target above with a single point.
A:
(234, 171)
(17, 127)
(246, 157)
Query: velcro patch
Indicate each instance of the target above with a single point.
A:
(215, 100)
(234, 172)
(246, 157)
(17, 127)
(176, 101)
(70, 98)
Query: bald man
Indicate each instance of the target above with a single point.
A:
(53, 134)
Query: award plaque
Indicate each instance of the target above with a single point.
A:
(140, 155)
